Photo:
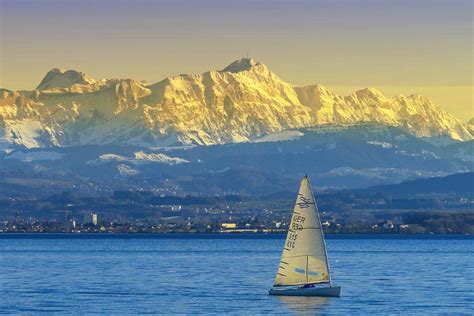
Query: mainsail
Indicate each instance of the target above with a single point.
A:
(304, 257)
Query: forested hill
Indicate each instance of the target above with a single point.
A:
(460, 183)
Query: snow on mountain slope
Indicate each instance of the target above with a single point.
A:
(141, 157)
(279, 137)
(26, 123)
(242, 102)
(220, 106)
(415, 113)
(159, 158)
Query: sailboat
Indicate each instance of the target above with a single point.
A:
(304, 267)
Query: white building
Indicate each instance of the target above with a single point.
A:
(94, 219)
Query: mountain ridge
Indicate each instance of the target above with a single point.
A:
(241, 102)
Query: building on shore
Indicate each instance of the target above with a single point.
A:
(94, 219)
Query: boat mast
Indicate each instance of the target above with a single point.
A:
(306, 270)
(322, 235)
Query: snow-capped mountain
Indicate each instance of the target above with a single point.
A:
(57, 78)
(26, 122)
(242, 102)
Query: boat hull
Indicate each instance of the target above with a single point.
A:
(334, 291)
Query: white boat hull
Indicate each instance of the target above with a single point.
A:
(334, 291)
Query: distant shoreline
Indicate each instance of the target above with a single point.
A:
(218, 235)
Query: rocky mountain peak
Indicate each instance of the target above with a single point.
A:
(370, 93)
(59, 78)
(243, 64)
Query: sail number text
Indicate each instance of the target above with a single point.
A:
(296, 225)
(291, 240)
(297, 222)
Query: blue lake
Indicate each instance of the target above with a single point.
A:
(217, 274)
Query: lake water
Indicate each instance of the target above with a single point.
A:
(217, 275)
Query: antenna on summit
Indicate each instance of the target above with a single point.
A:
(247, 53)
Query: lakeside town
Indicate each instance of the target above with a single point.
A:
(176, 226)
(429, 206)
(403, 210)
(209, 220)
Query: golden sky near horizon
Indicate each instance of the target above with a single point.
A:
(406, 46)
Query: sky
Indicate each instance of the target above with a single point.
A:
(406, 46)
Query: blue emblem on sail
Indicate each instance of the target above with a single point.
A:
(312, 273)
(299, 270)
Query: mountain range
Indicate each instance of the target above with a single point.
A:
(243, 102)
(239, 130)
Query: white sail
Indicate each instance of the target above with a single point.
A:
(304, 257)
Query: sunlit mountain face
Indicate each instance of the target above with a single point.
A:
(238, 130)
(240, 103)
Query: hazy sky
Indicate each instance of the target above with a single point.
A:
(412, 46)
